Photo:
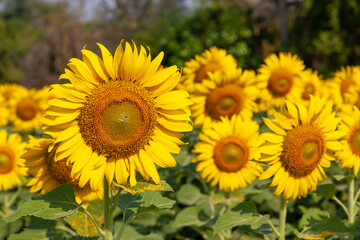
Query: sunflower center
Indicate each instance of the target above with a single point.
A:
(7, 160)
(202, 73)
(345, 84)
(118, 119)
(354, 141)
(27, 110)
(230, 154)
(309, 89)
(280, 83)
(224, 101)
(303, 148)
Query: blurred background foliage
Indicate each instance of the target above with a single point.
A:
(38, 37)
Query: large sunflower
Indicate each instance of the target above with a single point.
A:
(118, 115)
(226, 150)
(210, 61)
(278, 77)
(350, 127)
(225, 94)
(302, 143)
(49, 174)
(26, 109)
(344, 88)
(12, 169)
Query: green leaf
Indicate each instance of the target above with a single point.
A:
(188, 194)
(143, 202)
(233, 219)
(145, 186)
(326, 190)
(245, 207)
(82, 224)
(244, 213)
(190, 216)
(312, 216)
(332, 225)
(36, 234)
(57, 203)
(131, 234)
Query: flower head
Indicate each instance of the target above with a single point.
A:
(278, 76)
(49, 174)
(118, 116)
(196, 70)
(226, 150)
(12, 169)
(225, 94)
(349, 126)
(302, 143)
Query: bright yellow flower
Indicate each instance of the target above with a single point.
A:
(278, 78)
(350, 128)
(196, 70)
(8, 90)
(310, 83)
(12, 170)
(26, 110)
(118, 115)
(225, 94)
(344, 88)
(5, 113)
(226, 150)
(49, 174)
(301, 145)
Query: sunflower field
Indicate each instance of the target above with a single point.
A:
(164, 119)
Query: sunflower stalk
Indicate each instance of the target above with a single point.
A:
(108, 213)
(282, 217)
(352, 201)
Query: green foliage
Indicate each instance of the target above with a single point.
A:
(16, 36)
(57, 203)
(226, 27)
(326, 35)
(142, 202)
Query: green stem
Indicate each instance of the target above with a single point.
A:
(108, 214)
(282, 218)
(272, 226)
(98, 228)
(341, 205)
(351, 201)
(122, 227)
(13, 198)
(117, 196)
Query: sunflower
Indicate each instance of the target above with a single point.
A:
(225, 94)
(12, 169)
(26, 109)
(196, 70)
(310, 83)
(5, 113)
(49, 174)
(226, 150)
(349, 156)
(344, 88)
(118, 115)
(278, 78)
(303, 141)
(8, 90)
